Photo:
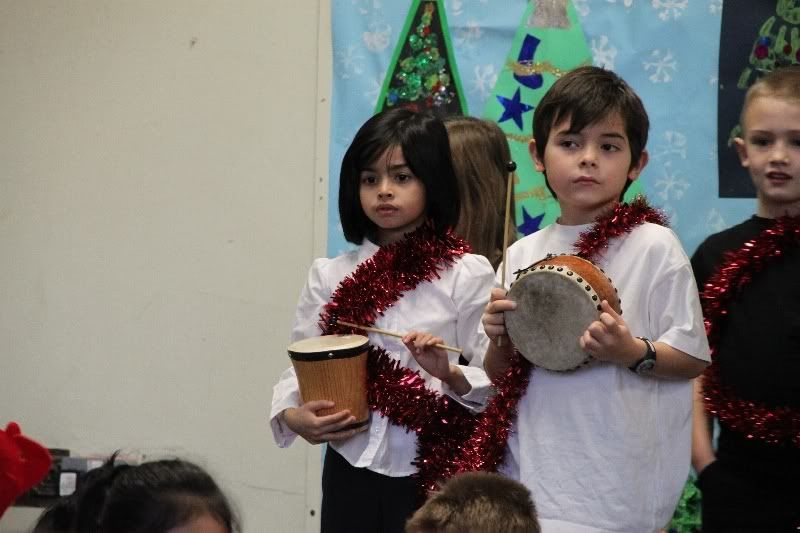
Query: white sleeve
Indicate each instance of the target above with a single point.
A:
(286, 393)
(675, 315)
(473, 285)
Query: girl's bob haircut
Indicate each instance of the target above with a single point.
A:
(423, 140)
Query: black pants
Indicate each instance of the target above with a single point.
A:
(358, 500)
(735, 499)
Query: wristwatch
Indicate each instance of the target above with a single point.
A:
(646, 363)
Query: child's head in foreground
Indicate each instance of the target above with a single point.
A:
(167, 496)
(477, 502)
(770, 143)
(589, 135)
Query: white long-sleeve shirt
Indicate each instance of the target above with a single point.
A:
(449, 307)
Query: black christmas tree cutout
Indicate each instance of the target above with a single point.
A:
(423, 74)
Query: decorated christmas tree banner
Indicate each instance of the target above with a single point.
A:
(496, 59)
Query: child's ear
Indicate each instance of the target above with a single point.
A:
(635, 170)
(537, 163)
(741, 149)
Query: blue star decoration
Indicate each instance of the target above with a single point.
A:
(529, 224)
(513, 108)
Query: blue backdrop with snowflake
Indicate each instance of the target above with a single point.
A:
(666, 49)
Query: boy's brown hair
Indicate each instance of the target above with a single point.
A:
(585, 96)
(480, 158)
(783, 83)
(477, 502)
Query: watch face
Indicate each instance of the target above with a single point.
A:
(646, 366)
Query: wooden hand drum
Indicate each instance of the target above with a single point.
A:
(334, 367)
(557, 299)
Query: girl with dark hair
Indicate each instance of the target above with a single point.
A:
(168, 496)
(398, 199)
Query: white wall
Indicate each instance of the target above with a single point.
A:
(162, 193)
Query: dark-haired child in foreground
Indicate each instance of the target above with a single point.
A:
(397, 191)
(168, 496)
(749, 484)
(605, 447)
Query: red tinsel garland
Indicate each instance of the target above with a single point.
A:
(620, 221)
(450, 438)
(773, 425)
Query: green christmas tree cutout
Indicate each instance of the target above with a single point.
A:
(548, 43)
(423, 73)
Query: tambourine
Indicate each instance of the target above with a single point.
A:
(334, 367)
(557, 299)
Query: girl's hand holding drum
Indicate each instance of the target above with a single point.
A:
(306, 422)
(332, 375)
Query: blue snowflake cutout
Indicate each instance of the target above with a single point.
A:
(513, 108)
(529, 224)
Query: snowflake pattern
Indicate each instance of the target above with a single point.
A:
(378, 37)
(663, 66)
(484, 80)
(456, 8)
(603, 54)
(715, 7)
(675, 143)
(671, 184)
(350, 62)
(373, 91)
(364, 7)
(627, 3)
(469, 35)
(670, 8)
(715, 221)
(582, 7)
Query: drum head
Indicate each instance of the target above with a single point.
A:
(327, 346)
(552, 313)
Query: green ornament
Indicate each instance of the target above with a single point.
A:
(431, 81)
(423, 63)
(415, 42)
(407, 64)
(414, 82)
(402, 77)
(434, 54)
(421, 30)
(444, 78)
(432, 40)
(426, 18)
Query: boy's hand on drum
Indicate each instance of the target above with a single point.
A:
(493, 319)
(609, 339)
(432, 359)
(316, 429)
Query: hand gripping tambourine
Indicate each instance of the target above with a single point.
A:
(557, 299)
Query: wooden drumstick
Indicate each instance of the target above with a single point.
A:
(511, 166)
(394, 334)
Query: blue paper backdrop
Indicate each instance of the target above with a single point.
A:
(666, 49)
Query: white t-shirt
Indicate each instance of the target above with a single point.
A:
(602, 448)
(449, 307)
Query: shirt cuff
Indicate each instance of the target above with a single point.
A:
(481, 389)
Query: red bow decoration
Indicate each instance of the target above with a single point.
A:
(23, 464)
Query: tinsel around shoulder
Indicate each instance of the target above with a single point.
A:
(771, 424)
(450, 438)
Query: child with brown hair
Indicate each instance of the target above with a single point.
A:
(748, 275)
(480, 160)
(605, 447)
(477, 502)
